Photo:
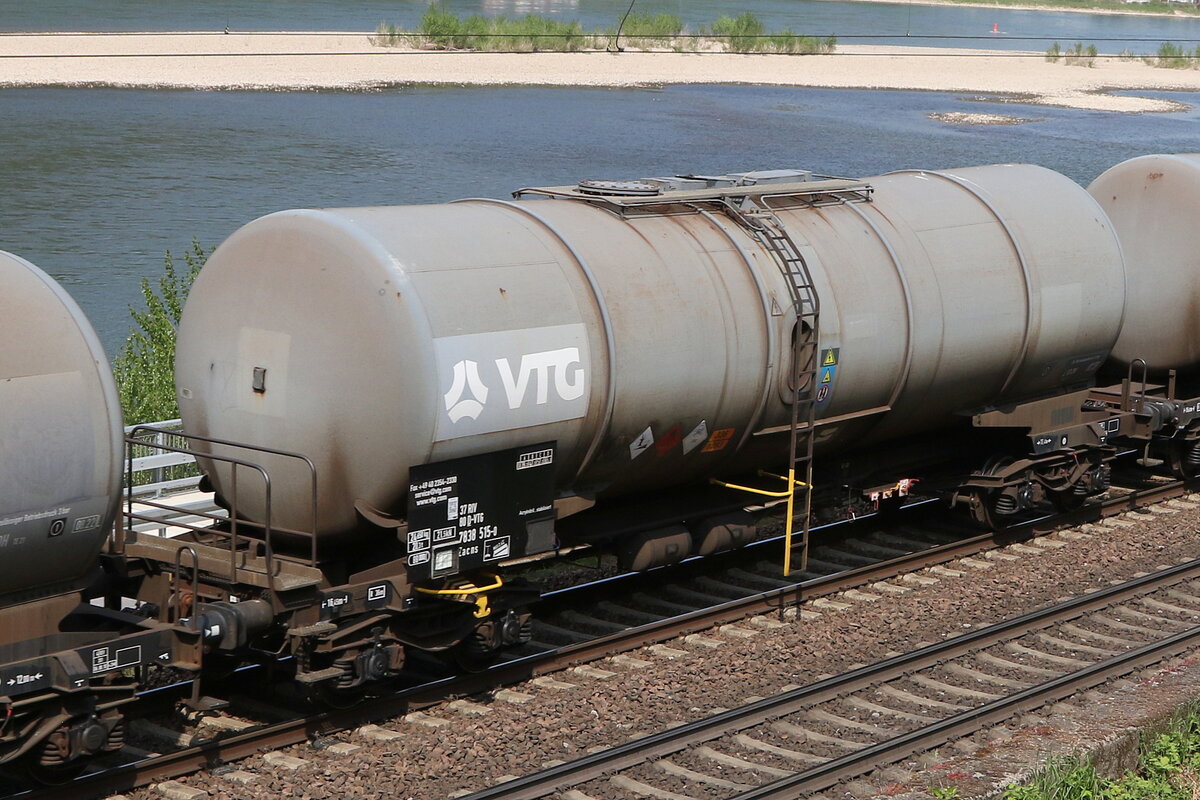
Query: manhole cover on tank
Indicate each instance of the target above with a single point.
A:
(618, 187)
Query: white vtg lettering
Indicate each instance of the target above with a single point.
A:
(564, 364)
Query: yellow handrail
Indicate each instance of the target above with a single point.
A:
(751, 489)
(787, 539)
(795, 482)
(789, 493)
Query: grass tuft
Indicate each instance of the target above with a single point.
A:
(1172, 56)
(1080, 56)
(1168, 769)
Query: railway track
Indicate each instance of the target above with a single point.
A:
(840, 548)
(819, 736)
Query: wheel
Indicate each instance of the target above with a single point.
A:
(326, 695)
(45, 765)
(53, 776)
(1184, 457)
(984, 510)
(477, 652)
(1068, 500)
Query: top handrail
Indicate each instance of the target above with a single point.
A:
(135, 436)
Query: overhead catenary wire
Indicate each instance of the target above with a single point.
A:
(932, 52)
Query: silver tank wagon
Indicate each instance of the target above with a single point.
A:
(1148, 199)
(60, 435)
(652, 345)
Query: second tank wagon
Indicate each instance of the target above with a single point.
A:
(647, 334)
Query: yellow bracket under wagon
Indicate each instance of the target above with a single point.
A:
(467, 589)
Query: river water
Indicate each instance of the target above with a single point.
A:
(890, 23)
(98, 183)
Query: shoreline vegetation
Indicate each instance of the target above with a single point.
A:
(1138, 8)
(745, 33)
(1169, 56)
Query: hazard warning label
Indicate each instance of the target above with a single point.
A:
(697, 437)
(641, 444)
(826, 374)
(668, 441)
(718, 440)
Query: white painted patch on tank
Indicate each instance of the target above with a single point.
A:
(506, 380)
(1063, 310)
(45, 454)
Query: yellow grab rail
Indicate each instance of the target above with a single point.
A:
(789, 493)
(751, 489)
(790, 480)
(792, 473)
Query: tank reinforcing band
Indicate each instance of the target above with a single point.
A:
(610, 343)
(985, 200)
(750, 207)
(772, 331)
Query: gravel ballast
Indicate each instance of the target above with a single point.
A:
(454, 749)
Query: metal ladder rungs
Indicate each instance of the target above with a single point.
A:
(767, 229)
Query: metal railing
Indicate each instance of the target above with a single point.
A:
(149, 510)
(155, 472)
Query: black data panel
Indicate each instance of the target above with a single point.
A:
(469, 513)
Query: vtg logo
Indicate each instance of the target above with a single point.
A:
(466, 376)
(508, 380)
(561, 368)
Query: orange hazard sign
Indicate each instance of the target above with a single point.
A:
(718, 440)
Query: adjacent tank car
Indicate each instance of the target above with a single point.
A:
(65, 665)
(1148, 200)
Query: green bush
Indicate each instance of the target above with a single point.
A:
(1172, 56)
(145, 366)
(1054, 52)
(647, 31)
(652, 26)
(441, 28)
(741, 33)
(1080, 56)
(388, 35)
(788, 42)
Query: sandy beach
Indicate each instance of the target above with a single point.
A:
(311, 61)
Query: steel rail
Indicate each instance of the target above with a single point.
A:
(847, 767)
(228, 748)
(639, 751)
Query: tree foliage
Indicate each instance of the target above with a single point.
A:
(145, 366)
